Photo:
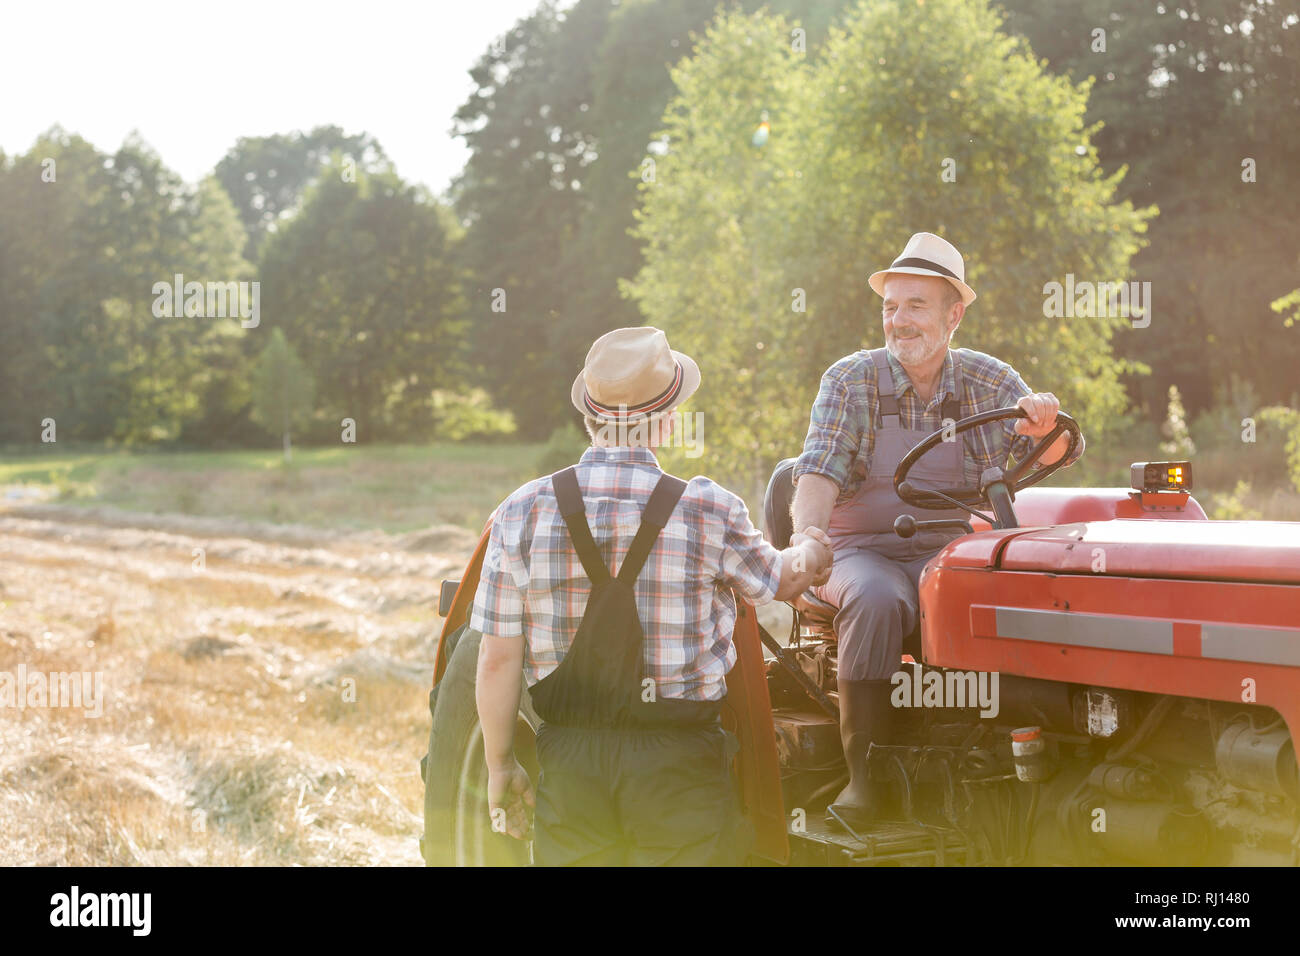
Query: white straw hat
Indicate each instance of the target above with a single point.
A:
(632, 373)
(928, 255)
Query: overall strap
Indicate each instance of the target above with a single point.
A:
(885, 388)
(952, 405)
(658, 509)
(569, 497)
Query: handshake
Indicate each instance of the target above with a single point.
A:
(805, 563)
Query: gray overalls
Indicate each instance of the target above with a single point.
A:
(875, 576)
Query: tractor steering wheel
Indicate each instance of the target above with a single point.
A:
(971, 496)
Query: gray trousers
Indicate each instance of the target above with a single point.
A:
(878, 607)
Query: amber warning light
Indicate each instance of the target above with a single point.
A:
(1149, 476)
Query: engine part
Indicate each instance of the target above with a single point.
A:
(807, 741)
(1258, 760)
(1129, 783)
(1103, 713)
(1150, 724)
(1153, 832)
(1029, 750)
(794, 670)
(1026, 700)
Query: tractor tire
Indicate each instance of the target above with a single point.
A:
(457, 827)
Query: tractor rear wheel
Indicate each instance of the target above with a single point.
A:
(457, 827)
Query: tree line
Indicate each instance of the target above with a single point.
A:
(615, 178)
(362, 306)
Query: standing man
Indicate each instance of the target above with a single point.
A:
(608, 586)
(871, 409)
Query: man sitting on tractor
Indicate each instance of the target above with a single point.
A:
(871, 408)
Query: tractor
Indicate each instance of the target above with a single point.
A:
(1099, 676)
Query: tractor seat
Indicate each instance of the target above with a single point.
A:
(778, 528)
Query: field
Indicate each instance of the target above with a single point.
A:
(264, 685)
(393, 489)
(265, 637)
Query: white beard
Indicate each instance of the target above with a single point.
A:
(916, 351)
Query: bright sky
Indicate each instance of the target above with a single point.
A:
(193, 76)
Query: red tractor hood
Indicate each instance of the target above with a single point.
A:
(1259, 551)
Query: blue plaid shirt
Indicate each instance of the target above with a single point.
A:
(533, 584)
(842, 428)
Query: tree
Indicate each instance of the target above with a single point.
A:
(267, 176)
(1191, 93)
(365, 282)
(520, 195)
(630, 85)
(283, 390)
(43, 232)
(718, 225)
(564, 117)
(738, 238)
(82, 252)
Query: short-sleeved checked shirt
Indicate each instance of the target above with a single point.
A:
(533, 584)
(840, 444)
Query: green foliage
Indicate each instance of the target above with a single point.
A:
(1179, 444)
(520, 192)
(79, 256)
(1287, 422)
(1289, 301)
(364, 282)
(458, 417)
(267, 176)
(1224, 422)
(1128, 439)
(853, 166)
(283, 390)
(1237, 439)
(390, 306)
(722, 225)
(563, 448)
(1233, 506)
(1191, 95)
(396, 488)
(566, 106)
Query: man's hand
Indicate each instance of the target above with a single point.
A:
(805, 563)
(816, 540)
(511, 800)
(1041, 408)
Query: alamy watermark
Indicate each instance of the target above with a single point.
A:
(687, 433)
(1093, 300)
(24, 689)
(944, 688)
(210, 300)
(75, 908)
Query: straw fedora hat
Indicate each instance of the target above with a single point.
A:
(632, 373)
(928, 255)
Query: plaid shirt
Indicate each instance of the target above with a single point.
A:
(533, 584)
(839, 445)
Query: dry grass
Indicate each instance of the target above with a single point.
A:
(270, 710)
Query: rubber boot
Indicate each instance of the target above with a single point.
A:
(866, 717)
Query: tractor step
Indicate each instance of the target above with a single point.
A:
(887, 843)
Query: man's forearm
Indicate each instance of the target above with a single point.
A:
(814, 497)
(497, 689)
(1056, 452)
